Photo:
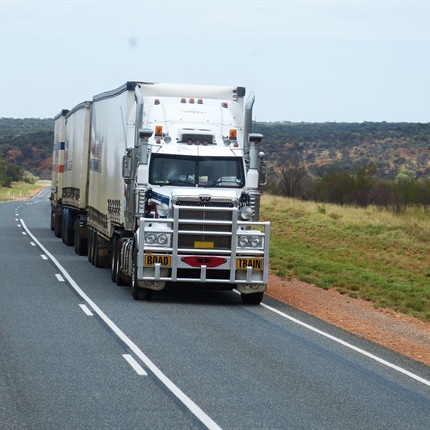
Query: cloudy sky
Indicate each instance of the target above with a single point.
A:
(311, 61)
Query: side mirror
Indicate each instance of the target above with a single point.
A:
(262, 172)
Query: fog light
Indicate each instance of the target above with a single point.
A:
(243, 242)
(150, 238)
(255, 242)
(162, 239)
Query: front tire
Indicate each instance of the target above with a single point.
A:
(252, 299)
(136, 292)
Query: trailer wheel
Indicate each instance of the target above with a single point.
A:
(136, 292)
(252, 299)
(81, 244)
(58, 224)
(96, 259)
(68, 233)
(91, 246)
(114, 265)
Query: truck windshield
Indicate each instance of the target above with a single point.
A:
(196, 171)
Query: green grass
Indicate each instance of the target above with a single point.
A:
(366, 253)
(21, 189)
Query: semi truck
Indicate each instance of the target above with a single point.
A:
(161, 183)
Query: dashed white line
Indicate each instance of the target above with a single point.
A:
(44, 257)
(174, 389)
(135, 365)
(59, 277)
(86, 310)
(32, 244)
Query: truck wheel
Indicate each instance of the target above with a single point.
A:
(136, 292)
(252, 299)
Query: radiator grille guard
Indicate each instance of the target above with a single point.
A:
(206, 229)
(197, 212)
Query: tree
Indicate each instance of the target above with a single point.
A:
(294, 179)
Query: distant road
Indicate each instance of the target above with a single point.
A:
(77, 352)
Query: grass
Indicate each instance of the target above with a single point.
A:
(21, 189)
(367, 253)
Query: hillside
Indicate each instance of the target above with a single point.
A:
(27, 143)
(322, 147)
(392, 147)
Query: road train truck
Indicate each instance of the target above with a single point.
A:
(160, 182)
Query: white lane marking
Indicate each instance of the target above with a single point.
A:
(32, 244)
(59, 277)
(348, 345)
(18, 225)
(24, 233)
(202, 416)
(44, 257)
(86, 310)
(135, 365)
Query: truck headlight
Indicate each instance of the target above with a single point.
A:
(150, 238)
(250, 242)
(162, 210)
(243, 242)
(245, 213)
(255, 242)
(162, 239)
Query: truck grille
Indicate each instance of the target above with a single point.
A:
(205, 211)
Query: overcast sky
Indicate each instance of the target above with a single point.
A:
(311, 61)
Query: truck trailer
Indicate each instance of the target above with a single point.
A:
(161, 183)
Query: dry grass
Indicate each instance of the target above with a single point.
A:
(367, 253)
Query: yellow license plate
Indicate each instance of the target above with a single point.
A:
(152, 259)
(204, 245)
(255, 263)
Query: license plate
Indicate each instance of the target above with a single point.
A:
(152, 259)
(255, 263)
(204, 245)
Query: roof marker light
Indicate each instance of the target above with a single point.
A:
(183, 100)
(200, 101)
(191, 100)
(224, 104)
(157, 101)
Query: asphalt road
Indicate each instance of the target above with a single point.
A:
(77, 352)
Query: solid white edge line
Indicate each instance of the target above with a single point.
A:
(202, 416)
(135, 365)
(348, 345)
(86, 310)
